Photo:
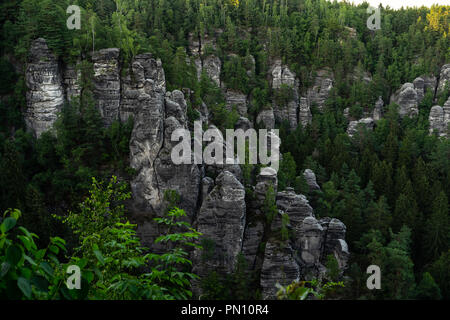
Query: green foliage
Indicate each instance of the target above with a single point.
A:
(109, 242)
(26, 271)
(305, 290)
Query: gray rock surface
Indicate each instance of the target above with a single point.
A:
(281, 76)
(407, 99)
(304, 112)
(439, 119)
(279, 266)
(147, 139)
(144, 79)
(45, 95)
(310, 178)
(378, 109)
(354, 126)
(212, 66)
(444, 77)
(107, 83)
(71, 82)
(266, 119)
(334, 243)
(322, 85)
(238, 100)
(221, 220)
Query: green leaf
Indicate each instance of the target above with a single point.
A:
(8, 224)
(13, 254)
(4, 269)
(24, 286)
(47, 268)
(99, 256)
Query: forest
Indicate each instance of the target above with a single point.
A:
(64, 196)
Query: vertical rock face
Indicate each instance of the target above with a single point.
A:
(334, 243)
(221, 220)
(217, 208)
(45, 95)
(185, 179)
(147, 138)
(304, 112)
(304, 254)
(212, 66)
(439, 119)
(279, 267)
(266, 119)
(436, 119)
(145, 76)
(282, 76)
(71, 79)
(238, 100)
(444, 77)
(378, 109)
(422, 85)
(318, 94)
(407, 99)
(254, 230)
(107, 83)
(310, 178)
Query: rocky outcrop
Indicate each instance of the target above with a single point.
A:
(107, 83)
(407, 99)
(444, 77)
(266, 119)
(145, 77)
(71, 82)
(185, 179)
(238, 100)
(319, 92)
(147, 136)
(310, 178)
(422, 85)
(279, 267)
(354, 126)
(305, 252)
(45, 95)
(334, 243)
(304, 112)
(221, 221)
(439, 119)
(212, 66)
(289, 247)
(378, 109)
(283, 79)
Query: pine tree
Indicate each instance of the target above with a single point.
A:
(437, 229)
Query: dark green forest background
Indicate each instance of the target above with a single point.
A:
(390, 186)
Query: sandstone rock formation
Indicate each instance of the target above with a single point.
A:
(407, 99)
(378, 109)
(266, 119)
(444, 77)
(45, 95)
(319, 92)
(221, 220)
(353, 126)
(284, 79)
(304, 112)
(310, 178)
(238, 100)
(107, 83)
(439, 119)
(213, 196)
